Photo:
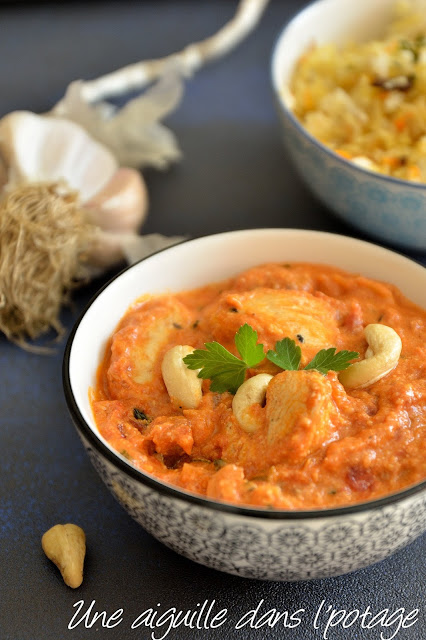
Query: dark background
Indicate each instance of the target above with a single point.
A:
(234, 174)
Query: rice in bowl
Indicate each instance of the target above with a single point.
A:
(367, 101)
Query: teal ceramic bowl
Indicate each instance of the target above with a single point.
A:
(389, 209)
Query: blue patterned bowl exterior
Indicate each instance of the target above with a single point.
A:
(391, 210)
(262, 548)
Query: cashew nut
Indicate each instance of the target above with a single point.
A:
(252, 391)
(381, 357)
(65, 546)
(183, 384)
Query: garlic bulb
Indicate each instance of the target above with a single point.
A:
(47, 149)
(94, 148)
(71, 197)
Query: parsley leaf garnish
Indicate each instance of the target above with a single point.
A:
(246, 343)
(287, 354)
(226, 371)
(328, 360)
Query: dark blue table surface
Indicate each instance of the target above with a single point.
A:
(234, 174)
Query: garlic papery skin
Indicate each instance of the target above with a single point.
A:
(108, 248)
(48, 149)
(121, 205)
(135, 133)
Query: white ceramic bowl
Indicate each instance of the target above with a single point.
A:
(390, 209)
(251, 542)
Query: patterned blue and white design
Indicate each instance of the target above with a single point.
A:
(261, 548)
(391, 210)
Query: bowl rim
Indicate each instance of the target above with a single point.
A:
(421, 186)
(180, 494)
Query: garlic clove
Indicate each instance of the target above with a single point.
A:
(122, 204)
(105, 251)
(137, 247)
(47, 149)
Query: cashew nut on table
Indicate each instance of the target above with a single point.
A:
(382, 355)
(65, 546)
(183, 384)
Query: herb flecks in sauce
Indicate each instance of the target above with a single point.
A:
(140, 415)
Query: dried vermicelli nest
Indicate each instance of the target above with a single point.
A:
(44, 235)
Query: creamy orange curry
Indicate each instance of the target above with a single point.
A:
(310, 440)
